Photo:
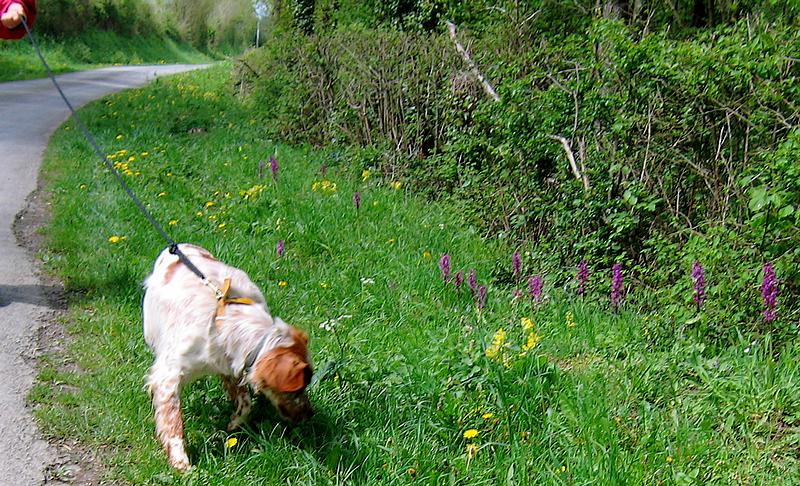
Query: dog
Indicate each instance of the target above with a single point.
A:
(225, 328)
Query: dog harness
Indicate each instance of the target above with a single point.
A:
(223, 300)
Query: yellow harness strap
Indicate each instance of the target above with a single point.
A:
(223, 300)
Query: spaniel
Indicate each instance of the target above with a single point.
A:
(221, 326)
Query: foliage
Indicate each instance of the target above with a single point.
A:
(685, 136)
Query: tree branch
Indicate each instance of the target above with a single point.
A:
(571, 156)
(487, 87)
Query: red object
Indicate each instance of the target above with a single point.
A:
(17, 32)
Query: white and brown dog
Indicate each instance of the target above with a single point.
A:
(194, 332)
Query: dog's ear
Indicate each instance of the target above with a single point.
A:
(284, 371)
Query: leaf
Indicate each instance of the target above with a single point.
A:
(786, 211)
(758, 198)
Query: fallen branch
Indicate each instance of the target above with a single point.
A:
(571, 156)
(487, 87)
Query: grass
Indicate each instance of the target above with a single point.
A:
(18, 60)
(416, 366)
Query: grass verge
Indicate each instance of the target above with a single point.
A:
(418, 384)
(18, 59)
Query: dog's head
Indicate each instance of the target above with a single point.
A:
(283, 373)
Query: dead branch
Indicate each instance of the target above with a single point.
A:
(487, 87)
(571, 157)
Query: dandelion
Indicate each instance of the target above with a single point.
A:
(426, 255)
(472, 280)
(444, 266)
(231, 442)
(161, 194)
(617, 285)
(582, 277)
(364, 175)
(516, 263)
(282, 283)
(357, 200)
(209, 204)
(487, 415)
(324, 285)
(769, 292)
(481, 297)
(273, 167)
(698, 276)
(120, 137)
(535, 288)
(116, 239)
(396, 185)
(470, 434)
(173, 222)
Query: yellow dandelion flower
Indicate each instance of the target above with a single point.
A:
(145, 154)
(209, 204)
(364, 175)
(169, 174)
(324, 285)
(173, 222)
(471, 433)
(132, 159)
(231, 442)
(116, 239)
(533, 341)
(120, 137)
(199, 214)
(396, 185)
(213, 217)
(83, 186)
(427, 255)
(527, 324)
(487, 415)
(315, 186)
(162, 194)
(221, 225)
(669, 459)
(283, 283)
(563, 469)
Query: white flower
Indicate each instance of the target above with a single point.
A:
(331, 324)
(367, 281)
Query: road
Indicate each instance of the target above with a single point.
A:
(29, 113)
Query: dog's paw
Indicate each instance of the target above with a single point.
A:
(181, 464)
(177, 456)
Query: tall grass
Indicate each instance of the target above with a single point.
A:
(415, 382)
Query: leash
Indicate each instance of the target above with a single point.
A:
(173, 247)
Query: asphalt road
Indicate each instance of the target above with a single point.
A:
(29, 113)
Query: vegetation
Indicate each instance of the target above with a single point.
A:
(682, 123)
(418, 379)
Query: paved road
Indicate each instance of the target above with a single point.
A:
(29, 112)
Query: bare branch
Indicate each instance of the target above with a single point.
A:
(571, 157)
(487, 87)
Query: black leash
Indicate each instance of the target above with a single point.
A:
(173, 247)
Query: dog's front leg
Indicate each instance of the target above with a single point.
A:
(240, 396)
(169, 422)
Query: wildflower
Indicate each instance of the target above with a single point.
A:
(444, 266)
(481, 297)
(532, 341)
(331, 324)
(396, 185)
(83, 186)
(173, 222)
(161, 194)
(535, 288)
(769, 292)
(498, 341)
(527, 324)
(472, 280)
(470, 433)
(116, 239)
(324, 285)
(282, 283)
(131, 159)
(273, 167)
(231, 442)
(487, 415)
(669, 459)
(617, 285)
(426, 255)
(279, 247)
(364, 175)
(516, 263)
(221, 225)
(199, 214)
(583, 277)
(357, 200)
(120, 137)
(367, 281)
(516, 294)
(698, 276)
(209, 204)
(570, 320)
(458, 279)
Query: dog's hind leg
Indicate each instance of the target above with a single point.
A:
(240, 396)
(169, 421)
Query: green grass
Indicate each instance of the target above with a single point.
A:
(18, 59)
(404, 377)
